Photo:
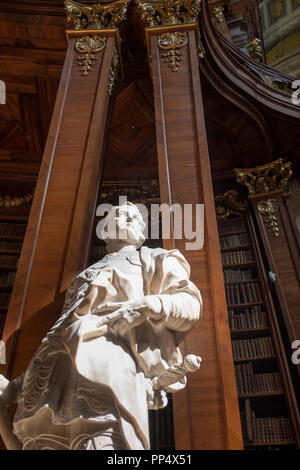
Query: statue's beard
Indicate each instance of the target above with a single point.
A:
(125, 232)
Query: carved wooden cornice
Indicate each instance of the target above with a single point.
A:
(169, 12)
(95, 16)
(265, 179)
(266, 85)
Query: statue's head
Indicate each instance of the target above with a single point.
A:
(124, 223)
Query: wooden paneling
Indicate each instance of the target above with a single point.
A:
(206, 412)
(283, 254)
(57, 236)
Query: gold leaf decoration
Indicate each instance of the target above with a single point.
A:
(95, 16)
(88, 46)
(171, 42)
(269, 207)
(169, 12)
(14, 201)
(266, 178)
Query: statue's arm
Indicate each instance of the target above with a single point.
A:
(180, 299)
(9, 393)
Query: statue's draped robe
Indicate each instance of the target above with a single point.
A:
(82, 377)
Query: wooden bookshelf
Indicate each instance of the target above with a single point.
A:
(261, 384)
(12, 232)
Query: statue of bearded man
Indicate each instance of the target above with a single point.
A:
(92, 380)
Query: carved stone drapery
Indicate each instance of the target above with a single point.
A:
(95, 16)
(266, 178)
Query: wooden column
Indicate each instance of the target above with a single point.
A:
(56, 240)
(206, 414)
(268, 194)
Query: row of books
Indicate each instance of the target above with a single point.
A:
(237, 257)
(4, 299)
(254, 318)
(232, 227)
(266, 430)
(234, 240)
(6, 260)
(250, 383)
(235, 275)
(8, 245)
(12, 229)
(252, 348)
(243, 293)
(7, 279)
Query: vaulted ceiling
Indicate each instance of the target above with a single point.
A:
(32, 51)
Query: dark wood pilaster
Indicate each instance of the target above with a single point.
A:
(59, 225)
(206, 413)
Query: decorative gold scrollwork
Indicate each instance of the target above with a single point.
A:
(255, 49)
(113, 75)
(169, 12)
(13, 201)
(87, 46)
(269, 207)
(218, 13)
(171, 42)
(266, 178)
(95, 16)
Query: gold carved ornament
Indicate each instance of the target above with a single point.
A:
(218, 13)
(171, 43)
(263, 180)
(95, 16)
(113, 74)
(169, 12)
(9, 201)
(230, 205)
(269, 207)
(266, 178)
(255, 49)
(88, 46)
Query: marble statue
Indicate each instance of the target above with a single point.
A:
(112, 354)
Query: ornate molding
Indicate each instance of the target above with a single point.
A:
(169, 12)
(269, 207)
(114, 69)
(96, 15)
(10, 201)
(171, 42)
(255, 49)
(229, 205)
(264, 179)
(147, 193)
(87, 46)
(218, 13)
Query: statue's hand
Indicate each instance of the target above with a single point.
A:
(128, 319)
(132, 313)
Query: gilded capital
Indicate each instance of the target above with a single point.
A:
(265, 179)
(169, 12)
(81, 15)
